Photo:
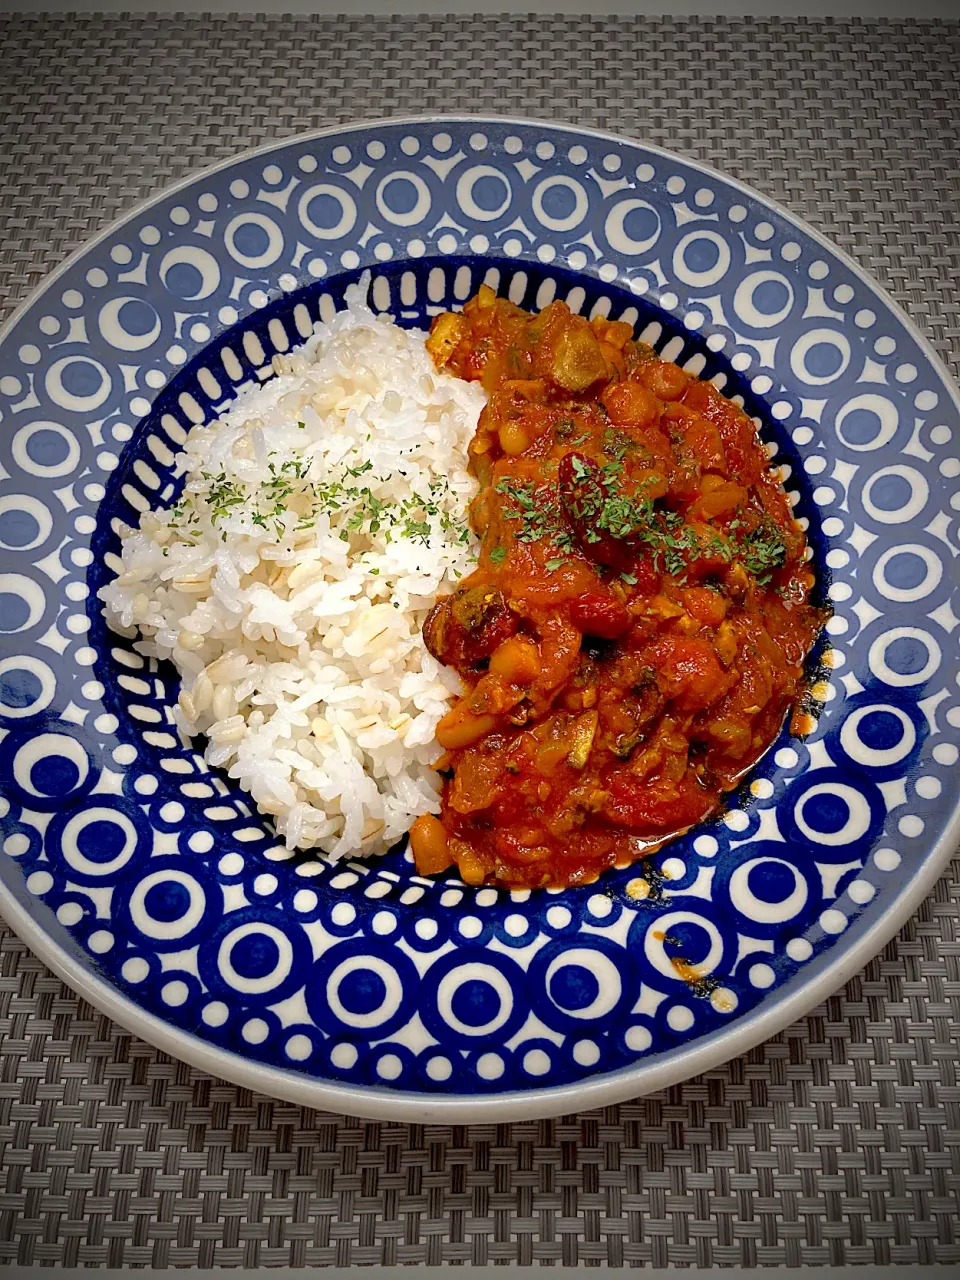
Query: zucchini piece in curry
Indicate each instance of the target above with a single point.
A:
(638, 621)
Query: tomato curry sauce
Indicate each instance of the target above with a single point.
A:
(638, 621)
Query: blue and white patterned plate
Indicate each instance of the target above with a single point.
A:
(149, 883)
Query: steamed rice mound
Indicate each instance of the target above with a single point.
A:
(320, 517)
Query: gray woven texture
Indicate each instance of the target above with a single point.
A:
(836, 1143)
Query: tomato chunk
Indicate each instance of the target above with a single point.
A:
(689, 673)
(705, 605)
(649, 810)
(600, 613)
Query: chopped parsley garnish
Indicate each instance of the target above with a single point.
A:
(603, 505)
(350, 505)
(537, 508)
(565, 429)
(763, 550)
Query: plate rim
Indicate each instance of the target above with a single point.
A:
(610, 1087)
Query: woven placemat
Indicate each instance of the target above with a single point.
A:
(837, 1142)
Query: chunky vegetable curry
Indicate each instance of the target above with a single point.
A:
(637, 624)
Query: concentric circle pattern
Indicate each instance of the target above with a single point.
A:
(131, 850)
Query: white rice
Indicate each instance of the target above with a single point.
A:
(300, 649)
